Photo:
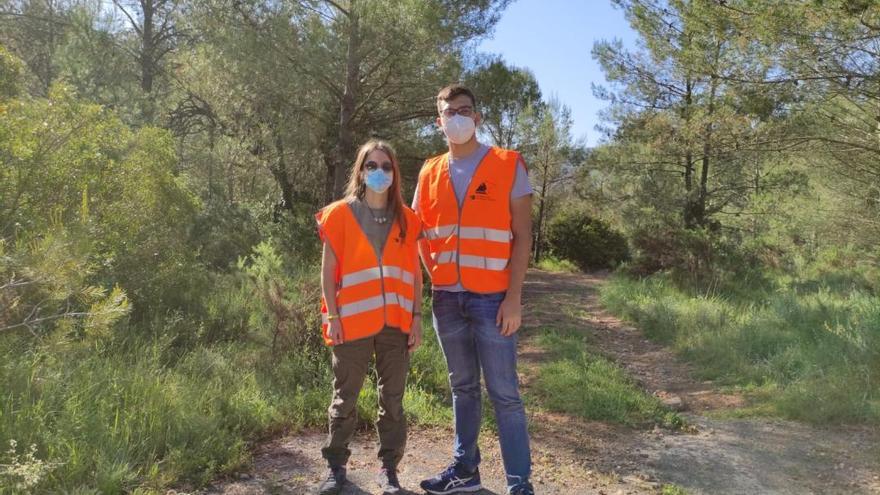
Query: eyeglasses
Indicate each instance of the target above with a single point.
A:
(464, 111)
(371, 165)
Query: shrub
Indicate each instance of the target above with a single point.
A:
(588, 242)
(117, 187)
(290, 303)
(46, 288)
(704, 261)
(663, 248)
(11, 74)
(222, 232)
(25, 471)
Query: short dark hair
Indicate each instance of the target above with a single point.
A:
(453, 91)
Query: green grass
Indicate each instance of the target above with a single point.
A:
(120, 420)
(673, 490)
(803, 351)
(141, 414)
(557, 265)
(576, 380)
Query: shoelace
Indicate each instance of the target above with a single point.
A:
(449, 472)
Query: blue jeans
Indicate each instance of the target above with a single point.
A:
(465, 325)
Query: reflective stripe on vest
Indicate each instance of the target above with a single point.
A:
(375, 273)
(444, 257)
(484, 262)
(472, 261)
(496, 235)
(371, 303)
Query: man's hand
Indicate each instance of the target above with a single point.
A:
(509, 315)
(335, 331)
(415, 334)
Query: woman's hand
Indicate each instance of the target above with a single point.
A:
(415, 334)
(335, 331)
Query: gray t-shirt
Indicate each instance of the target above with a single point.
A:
(461, 171)
(376, 232)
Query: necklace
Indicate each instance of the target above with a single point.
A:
(381, 219)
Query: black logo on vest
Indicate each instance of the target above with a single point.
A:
(482, 192)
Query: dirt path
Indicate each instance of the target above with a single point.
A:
(575, 456)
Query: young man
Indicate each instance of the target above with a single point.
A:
(475, 205)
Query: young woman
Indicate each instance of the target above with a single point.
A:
(371, 285)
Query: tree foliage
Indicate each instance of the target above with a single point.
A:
(751, 121)
(505, 92)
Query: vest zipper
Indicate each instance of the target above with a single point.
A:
(460, 208)
(458, 233)
(384, 299)
(381, 266)
(379, 256)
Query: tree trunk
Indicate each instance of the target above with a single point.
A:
(53, 36)
(688, 213)
(230, 182)
(212, 130)
(147, 48)
(707, 150)
(345, 142)
(329, 176)
(279, 171)
(539, 233)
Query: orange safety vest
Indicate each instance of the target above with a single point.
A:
(371, 292)
(470, 245)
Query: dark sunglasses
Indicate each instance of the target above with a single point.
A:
(386, 166)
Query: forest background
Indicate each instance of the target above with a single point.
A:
(161, 162)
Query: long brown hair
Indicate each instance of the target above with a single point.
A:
(357, 189)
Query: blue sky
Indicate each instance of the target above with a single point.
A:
(554, 39)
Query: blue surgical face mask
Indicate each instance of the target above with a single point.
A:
(378, 180)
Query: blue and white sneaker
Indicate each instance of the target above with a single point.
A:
(453, 480)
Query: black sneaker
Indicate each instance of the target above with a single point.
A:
(333, 484)
(453, 480)
(524, 488)
(388, 482)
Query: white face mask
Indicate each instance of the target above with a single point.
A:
(459, 129)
